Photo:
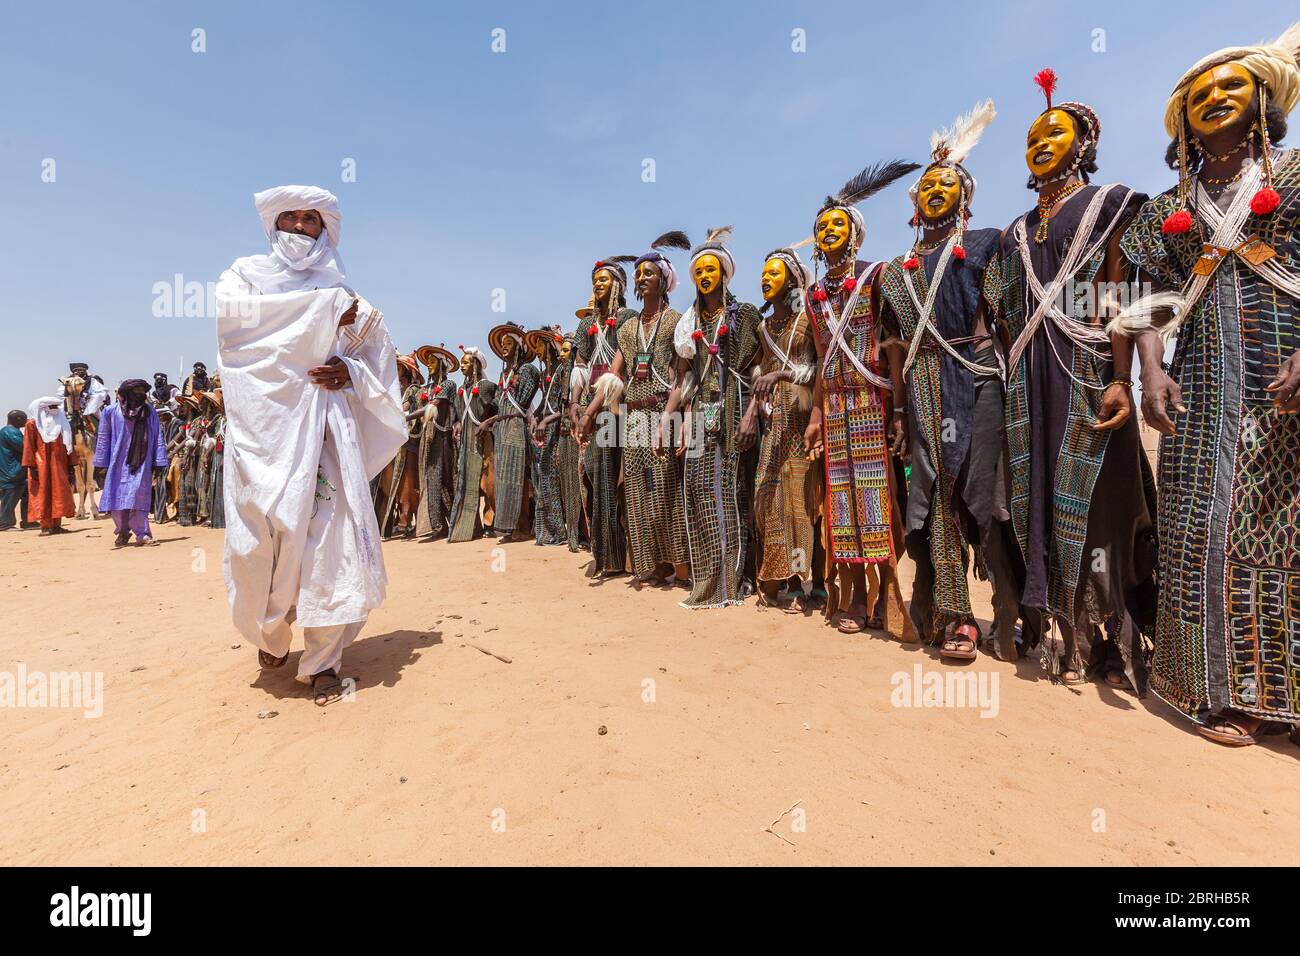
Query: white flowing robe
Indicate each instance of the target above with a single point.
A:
(279, 426)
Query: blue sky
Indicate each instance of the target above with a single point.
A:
(478, 170)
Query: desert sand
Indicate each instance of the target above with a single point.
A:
(716, 724)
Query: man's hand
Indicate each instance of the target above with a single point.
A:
(333, 375)
(1286, 387)
(1116, 407)
(455, 432)
(898, 442)
(1159, 392)
(766, 382)
(350, 316)
(812, 439)
(748, 428)
(100, 474)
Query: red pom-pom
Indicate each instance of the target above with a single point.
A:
(819, 294)
(437, 390)
(598, 264)
(697, 335)
(424, 396)
(460, 391)
(1046, 80)
(850, 284)
(548, 380)
(592, 329)
(1265, 201)
(610, 323)
(475, 390)
(912, 264)
(722, 329)
(1177, 222)
(959, 252)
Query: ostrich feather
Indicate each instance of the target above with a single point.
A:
(955, 143)
(871, 180)
(674, 239)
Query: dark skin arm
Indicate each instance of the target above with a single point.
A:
(673, 406)
(896, 357)
(1116, 402)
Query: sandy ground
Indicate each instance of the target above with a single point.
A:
(717, 723)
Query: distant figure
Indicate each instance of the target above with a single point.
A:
(47, 456)
(128, 451)
(13, 480)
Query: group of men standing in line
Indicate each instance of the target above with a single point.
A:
(81, 453)
(732, 447)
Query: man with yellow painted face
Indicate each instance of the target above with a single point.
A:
(850, 405)
(437, 451)
(652, 482)
(602, 456)
(544, 433)
(716, 348)
(947, 415)
(1081, 496)
(568, 453)
(476, 402)
(1222, 247)
(517, 386)
(787, 485)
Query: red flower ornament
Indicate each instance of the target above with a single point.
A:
(850, 284)
(912, 264)
(475, 389)
(959, 252)
(1265, 201)
(819, 294)
(722, 330)
(697, 335)
(592, 329)
(1177, 223)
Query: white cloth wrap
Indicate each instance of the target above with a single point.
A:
(279, 424)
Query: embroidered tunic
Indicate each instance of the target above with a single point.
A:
(651, 482)
(1083, 563)
(787, 486)
(857, 514)
(1228, 621)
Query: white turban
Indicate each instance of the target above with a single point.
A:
(271, 202)
(1272, 63)
(50, 420)
(296, 263)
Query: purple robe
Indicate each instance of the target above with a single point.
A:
(122, 489)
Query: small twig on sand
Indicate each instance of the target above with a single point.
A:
(484, 650)
(768, 828)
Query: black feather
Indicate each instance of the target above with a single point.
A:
(619, 259)
(873, 179)
(675, 239)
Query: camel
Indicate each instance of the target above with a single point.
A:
(84, 430)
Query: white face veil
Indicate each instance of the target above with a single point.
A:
(296, 263)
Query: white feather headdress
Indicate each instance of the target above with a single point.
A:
(951, 146)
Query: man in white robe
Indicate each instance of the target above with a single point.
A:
(313, 413)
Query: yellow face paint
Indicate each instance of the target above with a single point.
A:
(565, 348)
(601, 283)
(466, 363)
(832, 231)
(1219, 99)
(938, 193)
(707, 273)
(1048, 145)
(775, 276)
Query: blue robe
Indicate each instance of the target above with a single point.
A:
(124, 490)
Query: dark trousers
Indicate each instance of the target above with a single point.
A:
(11, 498)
